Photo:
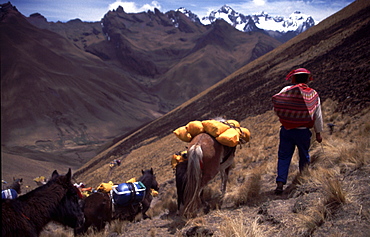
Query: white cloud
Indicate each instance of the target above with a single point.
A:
(132, 7)
(259, 2)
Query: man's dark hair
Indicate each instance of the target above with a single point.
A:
(301, 78)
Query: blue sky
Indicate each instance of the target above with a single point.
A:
(94, 10)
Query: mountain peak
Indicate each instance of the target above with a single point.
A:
(275, 26)
(193, 17)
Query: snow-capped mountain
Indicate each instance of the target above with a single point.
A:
(276, 26)
(193, 17)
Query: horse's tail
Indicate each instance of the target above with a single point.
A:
(194, 177)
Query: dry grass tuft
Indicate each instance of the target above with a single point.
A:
(240, 226)
(118, 226)
(314, 218)
(326, 180)
(334, 195)
(167, 202)
(249, 191)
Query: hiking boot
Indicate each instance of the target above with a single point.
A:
(279, 188)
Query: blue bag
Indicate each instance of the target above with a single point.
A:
(9, 194)
(128, 193)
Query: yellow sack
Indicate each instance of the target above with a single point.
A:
(154, 193)
(233, 123)
(183, 134)
(40, 179)
(177, 158)
(105, 187)
(132, 180)
(194, 128)
(229, 138)
(245, 134)
(214, 127)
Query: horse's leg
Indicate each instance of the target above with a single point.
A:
(225, 168)
(224, 179)
(206, 206)
(133, 211)
(145, 206)
(83, 229)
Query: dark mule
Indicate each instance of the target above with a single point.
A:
(180, 182)
(129, 212)
(97, 209)
(16, 185)
(12, 191)
(206, 158)
(57, 200)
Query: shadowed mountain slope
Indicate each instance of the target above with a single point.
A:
(166, 52)
(51, 90)
(335, 51)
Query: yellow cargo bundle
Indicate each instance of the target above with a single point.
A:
(194, 128)
(183, 134)
(153, 193)
(177, 158)
(227, 133)
(245, 134)
(229, 138)
(214, 127)
(132, 180)
(233, 123)
(105, 187)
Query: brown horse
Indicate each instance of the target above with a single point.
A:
(206, 158)
(130, 211)
(29, 213)
(97, 209)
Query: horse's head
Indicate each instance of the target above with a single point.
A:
(68, 212)
(17, 183)
(149, 175)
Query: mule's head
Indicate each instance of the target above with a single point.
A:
(17, 185)
(149, 174)
(68, 212)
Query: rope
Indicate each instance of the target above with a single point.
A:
(322, 148)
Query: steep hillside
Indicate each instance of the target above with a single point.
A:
(55, 97)
(335, 51)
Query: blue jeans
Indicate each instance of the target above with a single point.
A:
(289, 139)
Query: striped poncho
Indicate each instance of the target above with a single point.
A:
(296, 106)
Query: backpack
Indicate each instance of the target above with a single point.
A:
(296, 106)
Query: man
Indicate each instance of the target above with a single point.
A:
(299, 109)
